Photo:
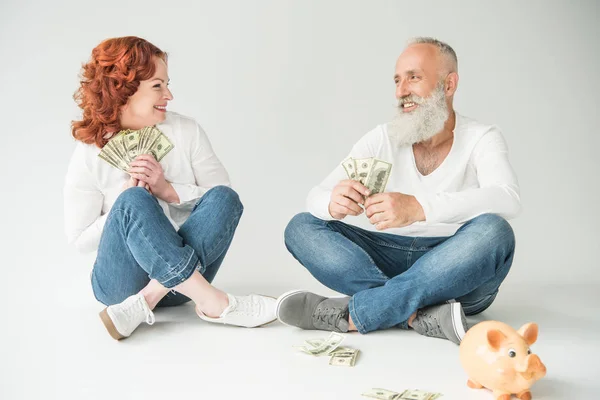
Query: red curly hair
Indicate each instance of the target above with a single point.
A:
(111, 76)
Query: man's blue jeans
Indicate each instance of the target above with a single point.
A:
(139, 243)
(390, 277)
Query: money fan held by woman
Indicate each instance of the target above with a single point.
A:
(145, 190)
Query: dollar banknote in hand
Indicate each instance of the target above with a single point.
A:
(127, 144)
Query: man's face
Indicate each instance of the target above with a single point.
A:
(417, 73)
(422, 105)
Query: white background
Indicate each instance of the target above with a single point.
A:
(283, 89)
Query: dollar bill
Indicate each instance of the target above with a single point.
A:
(350, 168)
(363, 166)
(344, 358)
(330, 344)
(161, 147)
(371, 172)
(342, 349)
(410, 394)
(318, 342)
(378, 176)
(382, 394)
(314, 342)
(113, 159)
(413, 394)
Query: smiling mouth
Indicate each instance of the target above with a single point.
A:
(409, 105)
(161, 108)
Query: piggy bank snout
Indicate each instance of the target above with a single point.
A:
(536, 366)
(532, 368)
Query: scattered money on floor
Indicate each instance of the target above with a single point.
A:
(384, 394)
(339, 355)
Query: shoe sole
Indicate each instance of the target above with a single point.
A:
(459, 329)
(110, 326)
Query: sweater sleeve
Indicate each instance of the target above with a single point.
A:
(208, 172)
(82, 204)
(498, 191)
(317, 202)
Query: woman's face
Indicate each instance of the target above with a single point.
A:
(148, 105)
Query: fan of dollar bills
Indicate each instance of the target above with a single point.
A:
(126, 145)
(371, 172)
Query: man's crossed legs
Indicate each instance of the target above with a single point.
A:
(424, 283)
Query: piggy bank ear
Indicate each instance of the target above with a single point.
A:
(529, 332)
(495, 338)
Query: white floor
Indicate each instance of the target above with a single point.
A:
(63, 352)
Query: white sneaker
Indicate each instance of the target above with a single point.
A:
(121, 319)
(248, 311)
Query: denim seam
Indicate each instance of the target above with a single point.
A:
(355, 319)
(179, 276)
(176, 269)
(381, 243)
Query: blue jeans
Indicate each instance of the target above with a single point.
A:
(139, 243)
(390, 277)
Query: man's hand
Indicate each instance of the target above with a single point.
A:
(346, 197)
(147, 170)
(393, 210)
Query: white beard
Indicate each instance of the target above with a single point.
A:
(421, 124)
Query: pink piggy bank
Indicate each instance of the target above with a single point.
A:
(497, 357)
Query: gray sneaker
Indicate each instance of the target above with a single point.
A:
(445, 321)
(310, 311)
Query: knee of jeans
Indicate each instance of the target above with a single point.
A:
(479, 305)
(497, 229)
(297, 230)
(133, 196)
(226, 195)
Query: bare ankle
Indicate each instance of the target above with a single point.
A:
(351, 326)
(411, 319)
(153, 293)
(215, 305)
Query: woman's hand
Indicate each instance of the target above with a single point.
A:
(132, 182)
(148, 171)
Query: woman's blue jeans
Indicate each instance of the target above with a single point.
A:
(139, 243)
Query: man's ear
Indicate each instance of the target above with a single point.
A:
(451, 84)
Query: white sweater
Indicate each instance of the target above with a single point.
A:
(92, 185)
(475, 178)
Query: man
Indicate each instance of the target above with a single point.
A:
(438, 245)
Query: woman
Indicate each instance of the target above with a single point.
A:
(162, 229)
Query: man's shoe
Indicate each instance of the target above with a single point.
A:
(307, 310)
(445, 321)
(121, 319)
(248, 311)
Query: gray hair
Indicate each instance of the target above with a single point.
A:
(445, 50)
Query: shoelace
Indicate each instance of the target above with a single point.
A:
(432, 327)
(248, 306)
(141, 304)
(328, 316)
